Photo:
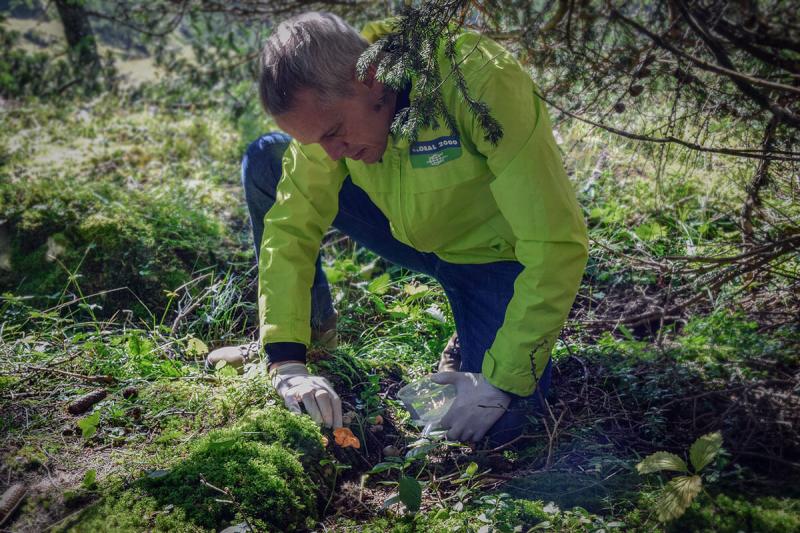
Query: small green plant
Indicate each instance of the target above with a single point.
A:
(336, 467)
(409, 487)
(88, 425)
(89, 479)
(680, 491)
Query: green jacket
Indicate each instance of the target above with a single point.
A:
(461, 198)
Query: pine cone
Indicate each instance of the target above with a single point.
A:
(84, 403)
(11, 499)
(129, 392)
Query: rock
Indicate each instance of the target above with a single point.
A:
(348, 417)
(391, 451)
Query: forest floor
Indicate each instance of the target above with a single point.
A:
(127, 256)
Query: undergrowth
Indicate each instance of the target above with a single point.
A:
(127, 256)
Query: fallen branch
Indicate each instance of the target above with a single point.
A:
(108, 380)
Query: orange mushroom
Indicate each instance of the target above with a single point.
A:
(345, 438)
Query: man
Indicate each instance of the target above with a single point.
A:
(497, 225)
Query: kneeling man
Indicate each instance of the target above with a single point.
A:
(497, 225)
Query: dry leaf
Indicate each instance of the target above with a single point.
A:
(345, 438)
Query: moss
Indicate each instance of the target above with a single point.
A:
(279, 425)
(266, 480)
(132, 510)
(149, 240)
(269, 462)
(731, 514)
(571, 489)
(28, 457)
(507, 516)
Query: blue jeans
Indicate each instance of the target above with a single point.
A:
(478, 293)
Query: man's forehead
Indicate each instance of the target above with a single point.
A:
(309, 120)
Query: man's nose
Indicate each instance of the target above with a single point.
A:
(335, 148)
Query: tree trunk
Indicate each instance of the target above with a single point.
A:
(80, 37)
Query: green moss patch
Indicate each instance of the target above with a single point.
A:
(266, 467)
(732, 514)
(571, 489)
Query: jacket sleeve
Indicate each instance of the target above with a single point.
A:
(536, 198)
(306, 203)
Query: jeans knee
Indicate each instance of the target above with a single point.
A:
(261, 159)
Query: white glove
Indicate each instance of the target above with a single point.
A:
(478, 405)
(295, 385)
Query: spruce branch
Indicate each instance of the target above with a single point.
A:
(412, 53)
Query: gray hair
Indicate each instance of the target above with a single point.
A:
(314, 50)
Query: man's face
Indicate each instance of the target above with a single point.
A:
(355, 126)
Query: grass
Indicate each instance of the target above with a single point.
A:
(129, 256)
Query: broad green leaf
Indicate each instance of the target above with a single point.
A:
(195, 347)
(472, 468)
(410, 493)
(398, 311)
(597, 213)
(705, 449)
(659, 461)
(415, 291)
(170, 368)
(334, 275)
(651, 231)
(380, 284)
(391, 500)
(383, 467)
(139, 346)
(89, 424)
(89, 479)
(224, 369)
(377, 302)
(676, 497)
(420, 451)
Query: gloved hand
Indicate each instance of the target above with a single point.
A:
(295, 385)
(478, 405)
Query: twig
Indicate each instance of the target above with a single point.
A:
(758, 182)
(717, 69)
(738, 152)
(108, 380)
(232, 500)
